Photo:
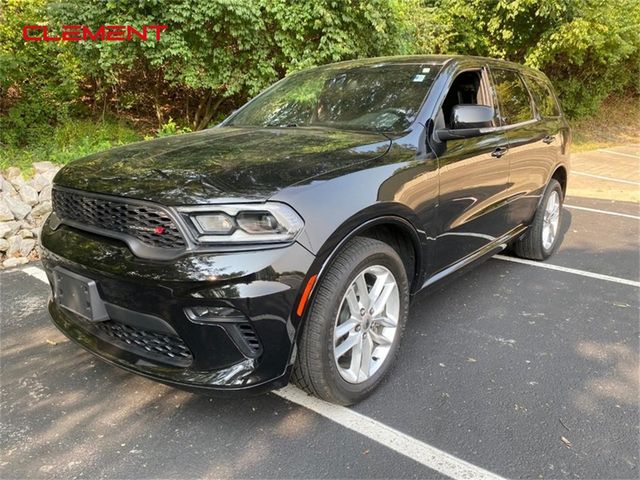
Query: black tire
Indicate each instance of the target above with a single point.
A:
(315, 370)
(530, 245)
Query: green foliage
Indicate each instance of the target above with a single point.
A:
(68, 140)
(168, 129)
(38, 84)
(216, 54)
(589, 48)
(307, 34)
(216, 50)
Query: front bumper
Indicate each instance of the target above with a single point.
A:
(249, 346)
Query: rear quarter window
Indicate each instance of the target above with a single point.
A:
(513, 96)
(543, 97)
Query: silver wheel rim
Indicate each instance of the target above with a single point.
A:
(366, 324)
(551, 220)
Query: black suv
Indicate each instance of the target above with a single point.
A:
(288, 241)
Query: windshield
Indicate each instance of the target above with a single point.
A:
(373, 97)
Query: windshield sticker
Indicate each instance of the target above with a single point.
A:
(419, 78)
(426, 70)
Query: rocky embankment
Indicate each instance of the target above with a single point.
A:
(24, 205)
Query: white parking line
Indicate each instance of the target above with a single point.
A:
(623, 154)
(574, 271)
(391, 438)
(608, 179)
(606, 212)
(410, 447)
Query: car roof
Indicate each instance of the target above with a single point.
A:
(433, 60)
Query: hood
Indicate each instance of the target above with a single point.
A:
(220, 163)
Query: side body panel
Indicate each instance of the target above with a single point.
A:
(402, 184)
(530, 160)
(471, 211)
(473, 187)
(533, 152)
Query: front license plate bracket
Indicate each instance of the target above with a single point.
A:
(79, 295)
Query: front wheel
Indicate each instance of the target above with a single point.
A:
(354, 325)
(542, 237)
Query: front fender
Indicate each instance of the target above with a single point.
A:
(388, 214)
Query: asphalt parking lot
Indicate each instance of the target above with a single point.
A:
(514, 370)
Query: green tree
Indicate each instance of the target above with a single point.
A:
(216, 50)
(38, 83)
(589, 48)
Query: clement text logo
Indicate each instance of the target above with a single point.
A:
(75, 33)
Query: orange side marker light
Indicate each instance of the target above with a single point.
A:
(305, 295)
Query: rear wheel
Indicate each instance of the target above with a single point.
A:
(542, 237)
(354, 326)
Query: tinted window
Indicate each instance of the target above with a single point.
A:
(370, 97)
(545, 101)
(469, 88)
(515, 102)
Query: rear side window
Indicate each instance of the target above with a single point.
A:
(545, 101)
(515, 102)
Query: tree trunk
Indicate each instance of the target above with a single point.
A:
(156, 100)
(202, 107)
(211, 109)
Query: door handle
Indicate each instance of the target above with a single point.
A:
(498, 152)
(549, 139)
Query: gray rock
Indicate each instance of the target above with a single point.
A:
(7, 187)
(41, 209)
(40, 167)
(4, 245)
(39, 182)
(8, 228)
(36, 231)
(13, 172)
(28, 223)
(18, 181)
(5, 211)
(45, 194)
(15, 242)
(14, 262)
(28, 194)
(24, 233)
(26, 246)
(17, 207)
(49, 174)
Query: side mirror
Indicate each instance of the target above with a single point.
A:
(467, 121)
(471, 116)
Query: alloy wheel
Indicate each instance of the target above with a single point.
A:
(551, 220)
(366, 325)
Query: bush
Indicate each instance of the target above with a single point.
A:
(218, 53)
(38, 82)
(69, 140)
(168, 129)
(588, 48)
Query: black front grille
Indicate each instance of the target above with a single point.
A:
(157, 346)
(150, 225)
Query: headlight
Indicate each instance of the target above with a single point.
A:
(249, 223)
(216, 223)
